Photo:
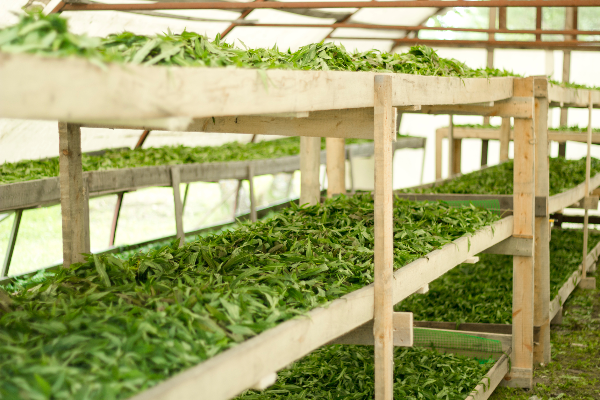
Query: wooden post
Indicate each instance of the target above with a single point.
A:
(253, 215)
(336, 166)
(457, 157)
(523, 207)
(384, 245)
(504, 138)
(12, 240)
(587, 283)
(350, 156)
(541, 274)
(115, 221)
(175, 183)
(489, 64)
(438, 155)
(72, 194)
(566, 75)
(502, 17)
(451, 144)
(310, 163)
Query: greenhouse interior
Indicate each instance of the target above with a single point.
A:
(264, 199)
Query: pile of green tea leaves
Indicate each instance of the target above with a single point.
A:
(482, 292)
(564, 175)
(168, 155)
(572, 128)
(572, 85)
(109, 328)
(49, 36)
(346, 372)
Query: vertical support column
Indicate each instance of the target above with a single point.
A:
(12, 240)
(72, 194)
(336, 166)
(384, 250)
(541, 274)
(457, 157)
(504, 138)
(566, 74)
(438, 155)
(489, 64)
(587, 283)
(524, 225)
(310, 162)
(350, 157)
(451, 144)
(175, 183)
(253, 215)
(115, 221)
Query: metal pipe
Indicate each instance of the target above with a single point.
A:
(328, 4)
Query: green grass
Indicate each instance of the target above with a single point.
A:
(564, 175)
(109, 328)
(482, 292)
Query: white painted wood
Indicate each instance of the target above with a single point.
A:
(384, 127)
(73, 89)
(310, 152)
(229, 373)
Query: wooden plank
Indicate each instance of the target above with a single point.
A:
(229, 373)
(363, 335)
(588, 167)
(253, 215)
(541, 273)
(72, 194)
(572, 98)
(523, 267)
(502, 329)
(457, 156)
(310, 152)
(451, 144)
(513, 246)
(518, 107)
(491, 380)
(175, 184)
(384, 239)
(438, 156)
(505, 137)
(12, 241)
(336, 166)
(494, 134)
(75, 90)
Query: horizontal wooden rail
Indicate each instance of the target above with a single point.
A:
(237, 369)
(492, 379)
(494, 134)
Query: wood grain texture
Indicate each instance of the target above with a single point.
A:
(363, 335)
(72, 195)
(384, 240)
(73, 89)
(336, 166)
(504, 138)
(310, 155)
(519, 107)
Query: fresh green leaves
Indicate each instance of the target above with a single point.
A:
(109, 328)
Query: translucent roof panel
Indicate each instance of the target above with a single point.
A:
(363, 45)
(371, 33)
(393, 16)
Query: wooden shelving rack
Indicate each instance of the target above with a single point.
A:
(339, 105)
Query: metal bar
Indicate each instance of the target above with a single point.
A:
(328, 4)
(12, 240)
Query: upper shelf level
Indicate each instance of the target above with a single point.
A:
(559, 96)
(76, 90)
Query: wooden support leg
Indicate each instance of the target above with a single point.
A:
(12, 240)
(175, 183)
(587, 283)
(438, 156)
(384, 251)
(185, 195)
(484, 151)
(350, 157)
(115, 221)
(457, 156)
(422, 166)
(253, 215)
(504, 138)
(310, 163)
(523, 267)
(451, 143)
(541, 274)
(562, 149)
(336, 166)
(72, 195)
(557, 320)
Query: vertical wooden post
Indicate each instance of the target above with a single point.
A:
(451, 144)
(504, 138)
(541, 274)
(587, 283)
(489, 64)
(72, 194)
(336, 166)
(115, 221)
(310, 163)
(524, 226)
(350, 157)
(457, 157)
(253, 215)
(566, 74)
(384, 250)
(438, 155)
(175, 183)
(12, 240)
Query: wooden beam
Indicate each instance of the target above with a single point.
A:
(310, 152)
(336, 166)
(514, 107)
(363, 335)
(438, 156)
(451, 144)
(524, 227)
(384, 239)
(175, 184)
(253, 215)
(491, 380)
(586, 282)
(541, 274)
(12, 241)
(504, 138)
(513, 246)
(72, 196)
(457, 156)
